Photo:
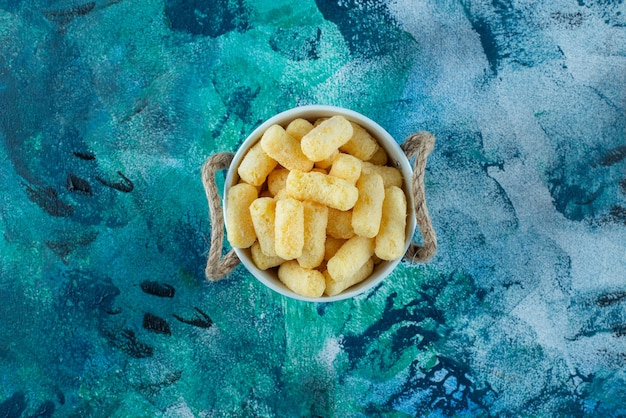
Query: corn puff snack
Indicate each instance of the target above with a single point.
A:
(317, 204)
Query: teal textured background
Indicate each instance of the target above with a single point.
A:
(108, 110)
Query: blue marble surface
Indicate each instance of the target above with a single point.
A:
(109, 108)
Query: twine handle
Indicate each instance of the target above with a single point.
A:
(420, 145)
(217, 267)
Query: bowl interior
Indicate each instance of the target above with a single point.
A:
(396, 158)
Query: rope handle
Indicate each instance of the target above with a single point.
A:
(217, 267)
(419, 145)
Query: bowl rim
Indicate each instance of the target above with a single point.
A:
(396, 158)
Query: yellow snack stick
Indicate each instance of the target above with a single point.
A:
(256, 165)
(262, 260)
(346, 167)
(350, 258)
(361, 144)
(299, 127)
(331, 246)
(392, 235)
(315, 221)
(326, 138)
(327, 162)
(339, 224)
(379, 157)
(321, 188)
(277, 180)
(368, 208)
(391, 175)
(239, 227)
(263, 213)
(289, 228)
(304, 282)
(334, 288)
(285, 149)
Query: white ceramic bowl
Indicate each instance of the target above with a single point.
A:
(397, 158)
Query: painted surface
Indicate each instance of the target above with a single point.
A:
(109, 108)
